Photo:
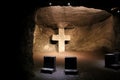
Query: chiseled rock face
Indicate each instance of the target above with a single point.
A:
(90, 29)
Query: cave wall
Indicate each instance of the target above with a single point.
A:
(90, 29)
(26, 47)
(85, 36)
(117, 31)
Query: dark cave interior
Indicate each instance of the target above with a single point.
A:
(22, 35)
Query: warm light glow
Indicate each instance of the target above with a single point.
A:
(92, 30)
(81, 56)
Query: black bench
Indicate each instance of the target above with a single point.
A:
(71, 65)
(112, 60)
(49, 65)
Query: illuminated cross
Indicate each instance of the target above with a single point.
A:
(61, 38)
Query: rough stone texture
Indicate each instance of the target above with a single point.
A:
(90, 29)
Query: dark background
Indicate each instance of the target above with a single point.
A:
(15, 16)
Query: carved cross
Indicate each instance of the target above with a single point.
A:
(61, 38)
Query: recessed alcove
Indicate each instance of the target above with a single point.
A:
(90, 29)
(92, 34)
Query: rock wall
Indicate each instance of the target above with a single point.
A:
(26, 57)
(90, 29)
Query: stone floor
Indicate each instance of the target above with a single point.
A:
(88, 70)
